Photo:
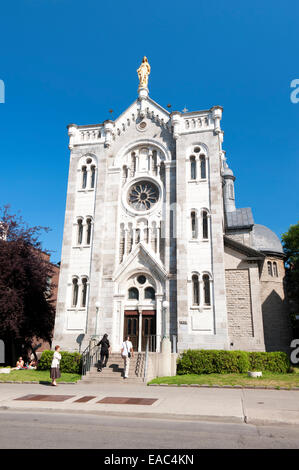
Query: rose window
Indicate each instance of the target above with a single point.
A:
(143, 195)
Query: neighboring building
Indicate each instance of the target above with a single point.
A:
(153, 244)
(53, 284)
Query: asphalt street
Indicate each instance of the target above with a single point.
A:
(28, 430)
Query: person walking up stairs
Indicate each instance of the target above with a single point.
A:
(127, 352)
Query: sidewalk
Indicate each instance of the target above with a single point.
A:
(206, 404)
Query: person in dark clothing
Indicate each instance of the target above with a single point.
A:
(105, 347)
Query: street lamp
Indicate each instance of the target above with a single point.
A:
(165, 306)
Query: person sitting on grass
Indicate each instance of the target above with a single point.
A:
(32, 365)
(19, 364)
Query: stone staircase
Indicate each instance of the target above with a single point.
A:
(114, 370)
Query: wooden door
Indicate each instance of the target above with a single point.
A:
(131, 328)
(148, 332)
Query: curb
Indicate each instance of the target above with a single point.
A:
(34, 382)
(166, 416)
(248, 387)
(130, 414)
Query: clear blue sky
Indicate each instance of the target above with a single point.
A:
(66, 61)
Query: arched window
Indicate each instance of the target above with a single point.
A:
(193, 167)
(84, 292)
(88, 231)
(275, 270)
(195, 290)
(203, 171)
(93, 176)
(193, 225)
(269, 264)
(206, 289)
(87, 167)
(80, 231)
(133, 294)
(205, 231)
(75, 292)
(149, 293)
(133, 163)
(84, 177)
(125, 172)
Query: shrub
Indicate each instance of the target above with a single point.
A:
(204, 361)
(70, 362)
(212, 362)
(272, 361)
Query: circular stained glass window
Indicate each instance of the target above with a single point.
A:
(141, 279)
(143, 195)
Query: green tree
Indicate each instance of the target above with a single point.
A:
(26, 310)
(290, 241)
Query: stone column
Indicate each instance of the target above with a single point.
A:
(140, 329)
(158, 320)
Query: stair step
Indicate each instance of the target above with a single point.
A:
(112, 380)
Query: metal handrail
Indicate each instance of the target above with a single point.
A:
(88, 358)
(146, 361)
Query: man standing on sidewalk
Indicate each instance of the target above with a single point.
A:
(127, 352)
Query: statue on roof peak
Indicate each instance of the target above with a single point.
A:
(143, 72)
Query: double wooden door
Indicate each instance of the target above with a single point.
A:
(148, 329)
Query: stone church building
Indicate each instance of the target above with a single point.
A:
(153, 243)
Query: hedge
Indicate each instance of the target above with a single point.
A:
(204, 361)
(70, 362)
(272, 361)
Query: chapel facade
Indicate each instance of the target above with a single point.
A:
(153, 243)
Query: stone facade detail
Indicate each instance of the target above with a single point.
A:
(238, 298)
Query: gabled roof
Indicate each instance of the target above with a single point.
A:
(146, 252)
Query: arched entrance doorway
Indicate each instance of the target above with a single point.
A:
(140, 313)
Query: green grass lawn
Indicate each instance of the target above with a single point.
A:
(269, 379)
(32, 375)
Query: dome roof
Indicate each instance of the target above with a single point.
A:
(227, 172)
(266, 240)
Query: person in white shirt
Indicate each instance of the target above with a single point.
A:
(127, 352)
(55, 371)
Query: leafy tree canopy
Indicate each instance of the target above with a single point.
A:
(25, 293)
(290, 241)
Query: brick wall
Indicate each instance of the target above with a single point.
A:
(238, 298)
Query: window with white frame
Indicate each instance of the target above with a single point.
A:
(205, 225)
(88, 230)
(195, 289)
(83, 292)
(87, 169)
(206, 289)
(203, 169)
(79, 292)
(192, 168)
(80, 232)
(75, 291)
(198, 164)
(194, 230)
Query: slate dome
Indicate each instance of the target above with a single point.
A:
(266, 240)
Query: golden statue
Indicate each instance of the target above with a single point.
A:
(143, 72)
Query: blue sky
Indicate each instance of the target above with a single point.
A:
(66, 61)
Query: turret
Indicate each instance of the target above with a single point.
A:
(228, 189)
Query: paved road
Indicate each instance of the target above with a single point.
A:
(72, 431)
